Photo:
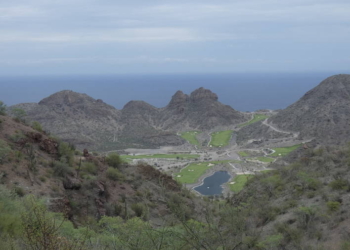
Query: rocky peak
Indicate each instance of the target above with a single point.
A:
(138, 105)
(178, 99)
(66, 97)
(203, 94)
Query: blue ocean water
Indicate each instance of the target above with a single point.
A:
(243, 91)
(212, 184)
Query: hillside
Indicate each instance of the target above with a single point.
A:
(82, 184)
(322, 113)
(86, 122)
(298, 206)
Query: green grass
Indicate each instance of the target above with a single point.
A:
(284, 151)
(189, 177)
(257, 117)
(266, 171)
(191, 137)
(192, 172)
(265, 159)
(243, 154)
(158, 156)
(240, 181)
(221, 138)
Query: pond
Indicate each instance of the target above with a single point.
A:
(212, 185)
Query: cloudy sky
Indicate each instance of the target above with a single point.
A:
(160, 36)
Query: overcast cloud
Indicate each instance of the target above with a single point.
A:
(105, 36)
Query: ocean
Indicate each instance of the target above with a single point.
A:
(243, 91)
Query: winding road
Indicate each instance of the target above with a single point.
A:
(295, 134)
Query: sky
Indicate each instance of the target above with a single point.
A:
(65, 37)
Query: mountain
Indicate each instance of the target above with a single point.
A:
(75, 117)
(201, 110)
(80, 119)
(322, 113)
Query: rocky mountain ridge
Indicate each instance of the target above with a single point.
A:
(322, 113)
(86, 122)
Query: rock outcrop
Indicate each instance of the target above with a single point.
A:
(201, 110)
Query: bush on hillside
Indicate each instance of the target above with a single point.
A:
(37, 126)
(113, 160)
(2, 108)
(4, 150)
(114, 174)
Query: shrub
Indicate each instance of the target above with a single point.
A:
(339, 184)
(333, 206)
(61, 169)
(45, 230)
(17, 137)
(2, 108)
(77, 152)
(114, 174)
(66, 153)
(19, 191)
(9, 210)
(4, 150)
(113, 160)
(19, 114)
(117, 209)
(37, 126)
(138, 209)
(306, 216)
(90, 168)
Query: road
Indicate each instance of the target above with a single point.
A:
(295, 134)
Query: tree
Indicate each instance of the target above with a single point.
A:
(2, 108)
(113, 160)
(42, 229)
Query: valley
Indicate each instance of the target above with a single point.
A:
(195, 174)
(206, 153)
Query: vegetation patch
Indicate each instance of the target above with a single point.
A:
(192, 172)
(191, 137)
(265, 159)
(256, 118)
(239, 182)
(220, 138)
(243, 154)
(284, 151)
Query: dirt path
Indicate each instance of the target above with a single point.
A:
(209, 140)
(253, 115)
(295, 134)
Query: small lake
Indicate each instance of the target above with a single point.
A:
(212, 184)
